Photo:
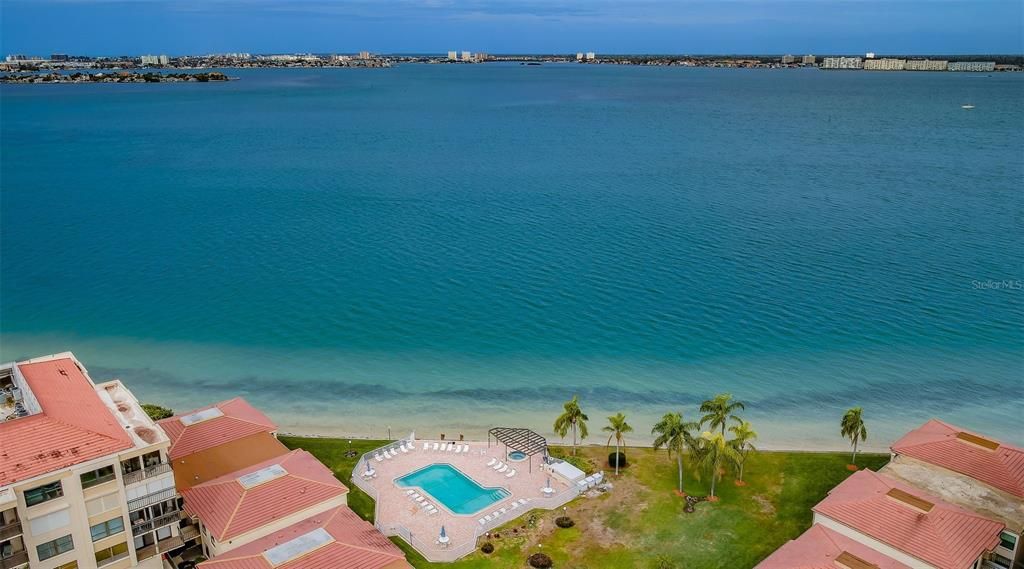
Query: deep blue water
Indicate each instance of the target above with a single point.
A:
(454, 247)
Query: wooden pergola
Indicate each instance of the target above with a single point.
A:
(519, 439)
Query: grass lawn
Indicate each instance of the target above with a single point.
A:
(641, 523)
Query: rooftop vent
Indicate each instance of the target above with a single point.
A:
(847, 560)
(297, 547)
(910, 500)
(200, 416)
(262, 476)
(976, 440)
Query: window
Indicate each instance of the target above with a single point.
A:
(55, 547)
(131, 465)
(111, 554)
(102, 504)
(50, 522)
(98, 476)
(1008, 540)
(151, 458)
(43, 493)
(72, 565)
(1001, 561)
(163, 533)
(106, 529)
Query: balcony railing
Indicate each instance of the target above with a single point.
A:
(150, 525)
(189, 533)
(148, 472)
(150, 499)
(97, 481)
(16, 561)
(145, 552)
(10, 530)
(112, 560)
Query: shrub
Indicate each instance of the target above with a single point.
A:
(157, 412)
(617, 457)
(540, 561)
(564, 522)
(487, 548)
(663, 562)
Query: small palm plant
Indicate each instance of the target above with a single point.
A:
(720, 410)
(713, 453)
(744, 435)
(572, 418)
(617, 427)
(676, 436)
(852, 427)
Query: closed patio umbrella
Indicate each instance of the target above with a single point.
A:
(444, 536)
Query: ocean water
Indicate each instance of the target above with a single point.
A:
(449, 248)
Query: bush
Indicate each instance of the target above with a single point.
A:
(487, 548)
(663, 562)
(619, 458)
(540, 561)
(157, 412)
(564, 522)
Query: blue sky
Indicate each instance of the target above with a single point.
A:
(114, 27)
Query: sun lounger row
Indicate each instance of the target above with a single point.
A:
(456, 448)
(591, 481)
(502, 511)
(393, 451)
(422, 502)
(500, 466)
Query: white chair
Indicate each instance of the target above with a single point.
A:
(492, 461)
(437, 446)
(522, 501)
(378, 458)
(499, 465)
(426, 446)
(482, 521)
(421, 499)
(503, 468)
(503, 511)
(511, 473)
(514, 505)
(488, 517)
(432, 511)
(450, 447)
(410, 492)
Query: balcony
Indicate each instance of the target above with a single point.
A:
(150, 525)
(161, 546)
(150, 499)
(145, 552)
(16, 561)
(148, 472)
(188, 533)
(10, 530)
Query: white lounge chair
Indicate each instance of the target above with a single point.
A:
(410, 492)
(514, 505)
(411, 446)
(492, 461)
(437, 446)
(404, 449)
(421, 499)
(426, 446)
(450, 448)
(482, 521)
(503, 510)
(488, 517)
(458, 449)
(503, 468)
(511, 473)
(522, 501)
(432, 511)
(497, 513)
(499, 465)
(377, 457)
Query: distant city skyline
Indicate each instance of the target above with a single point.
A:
(115, 27)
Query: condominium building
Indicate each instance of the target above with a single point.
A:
(579, 56)
(842, 63)
(884, 64)
(453, 56)
(591, 56)
(787, 59)
(155, 60)
(926, 65)
(84, 477)
(466, 56)
(974, 472)
(809, 60)
(977, 66)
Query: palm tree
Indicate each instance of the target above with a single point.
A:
(572, 418)
(714, 451)
(852, 427)
(719, 411)
(675, 435)
(745, 435)
(617, 426)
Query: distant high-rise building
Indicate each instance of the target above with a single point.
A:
(885, 64)
(972, 66)
(466, 56)
(364, 55)
(155, 60)
(590, 56)
(809, 60)
(59, 57)
(579, 56)
(869, 55)
(842, 63)
(787, 59)
(453, 56)
(926, 65)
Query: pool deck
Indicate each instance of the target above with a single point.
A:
(398, 514)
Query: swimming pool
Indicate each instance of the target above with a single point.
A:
(458, 492)
(517, 456)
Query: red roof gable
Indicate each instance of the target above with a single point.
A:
(239, 420)
(357, 545)
(996, 464)
(818, 548)
(73, 426)
(910, 520)
(229, 509)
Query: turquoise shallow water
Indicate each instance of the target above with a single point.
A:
(449, 486)
(448, 248)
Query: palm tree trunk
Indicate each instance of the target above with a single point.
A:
(854, 451)
(616, 457)
(574, 439)
(741, 469)
(714, 476)
(679, 461)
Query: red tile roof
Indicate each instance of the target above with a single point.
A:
(997, 464)
(74, 425)
(946, 536)
(357, 545)
(228, 509)
(239, 420)
(818, 548)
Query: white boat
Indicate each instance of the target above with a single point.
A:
(968, 106)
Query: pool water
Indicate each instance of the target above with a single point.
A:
(517, 456)
(447, 485)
